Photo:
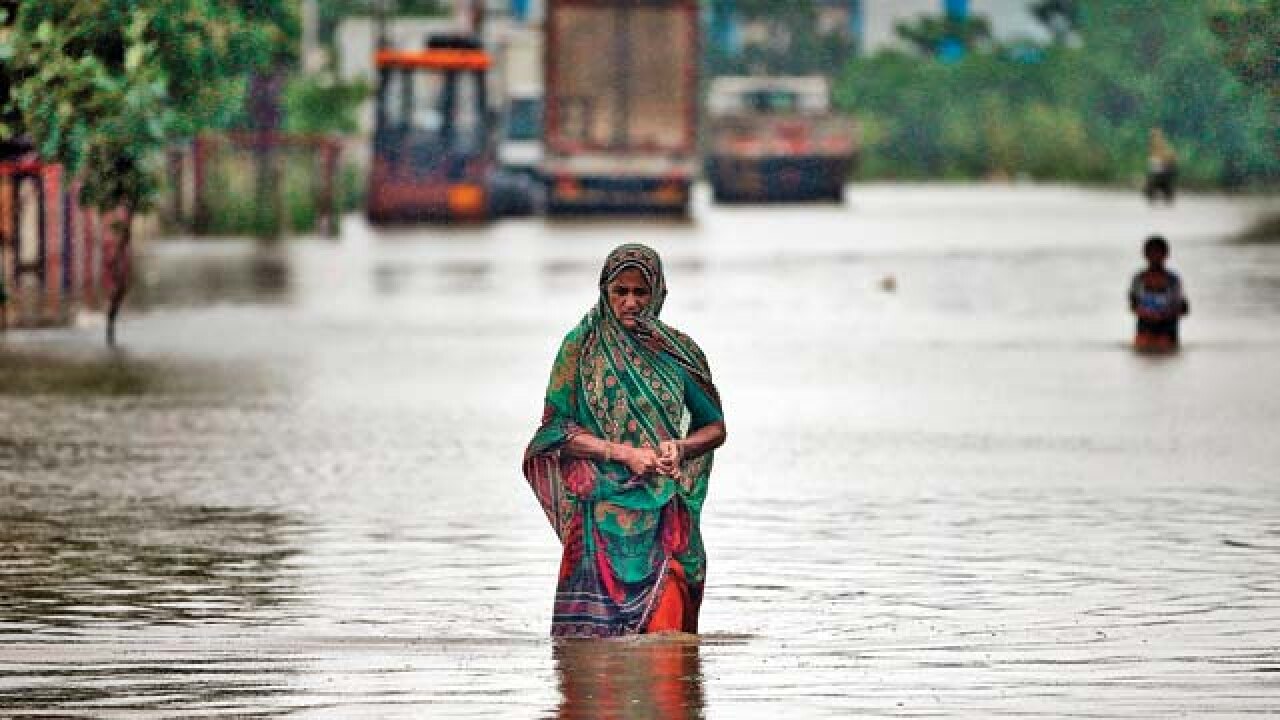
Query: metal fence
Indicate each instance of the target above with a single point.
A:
(53, 252)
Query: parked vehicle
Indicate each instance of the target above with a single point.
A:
(520, 148)
(775, 139)
(433, 149)
(520, 67)
(621, 89)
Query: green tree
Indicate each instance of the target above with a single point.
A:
(1060, 17)
(102, 86)
(323, 104)
(1082, 110)
(1146, 64)
(1249, 31)
(10, 142)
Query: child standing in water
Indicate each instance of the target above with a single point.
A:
(1156, 297)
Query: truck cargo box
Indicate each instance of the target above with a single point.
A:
(620, 79)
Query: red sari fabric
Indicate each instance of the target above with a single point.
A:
(677, 606)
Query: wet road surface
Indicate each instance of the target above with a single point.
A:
(955, 493)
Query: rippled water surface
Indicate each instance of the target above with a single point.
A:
(296, 490)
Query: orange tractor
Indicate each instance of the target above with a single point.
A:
(434, 157)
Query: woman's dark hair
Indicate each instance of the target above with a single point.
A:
(1156, 242)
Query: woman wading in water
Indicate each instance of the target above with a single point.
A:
(621, 461)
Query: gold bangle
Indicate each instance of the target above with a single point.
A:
(608, 451)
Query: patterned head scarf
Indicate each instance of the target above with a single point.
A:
(634, 256)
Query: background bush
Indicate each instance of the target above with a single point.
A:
(1076, 111)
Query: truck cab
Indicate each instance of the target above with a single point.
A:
(520, 147)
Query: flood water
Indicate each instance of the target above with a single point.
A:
(953, 494)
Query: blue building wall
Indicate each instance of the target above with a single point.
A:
(520, 9)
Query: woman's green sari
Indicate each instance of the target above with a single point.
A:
(620, 532)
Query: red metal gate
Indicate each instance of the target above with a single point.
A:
(53, 252)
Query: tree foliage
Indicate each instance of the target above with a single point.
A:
(942, 35)
(1250, 34)
(323, 104)
(1061, 17)
(1079, 110)
(102, 86)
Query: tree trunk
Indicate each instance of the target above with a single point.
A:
(264, 119)
(118, 265)
(267, 192)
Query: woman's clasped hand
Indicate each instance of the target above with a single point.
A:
(663, 461)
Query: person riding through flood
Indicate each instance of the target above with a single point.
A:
(1157, 299)
(621, 461)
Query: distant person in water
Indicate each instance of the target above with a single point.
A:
(621, 461)
(1162, 168)
(1157, 298)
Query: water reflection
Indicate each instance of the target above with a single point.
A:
(649, 677)
(76, 558)
(157, 685)
(103, 373)
(1265, 229)
(233, 272)
(92, 371)
(396, 276)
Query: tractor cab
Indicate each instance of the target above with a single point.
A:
(433, 150)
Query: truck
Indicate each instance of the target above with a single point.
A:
(776, 139)
(620, 84)
(434, 149)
